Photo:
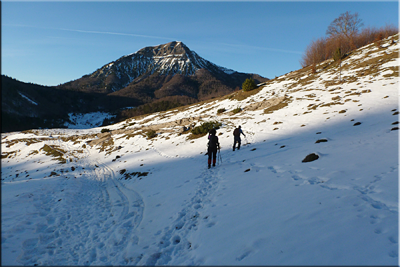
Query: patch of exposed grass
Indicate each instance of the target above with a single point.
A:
(304, 82)
(354, 93)
(33, 152)
(69, 138)
(279, 106)
(395, 72)
(54, 151)
(329, 83)
(312, 107)
(236, 110)
(330, 104)
(350, 79)
(35, 132)
(28, 141)
(372, 65)
(242, 95)
(108, 143)
(8, 154)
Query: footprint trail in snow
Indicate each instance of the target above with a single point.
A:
(79, 221)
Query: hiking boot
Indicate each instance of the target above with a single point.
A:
(209, 165)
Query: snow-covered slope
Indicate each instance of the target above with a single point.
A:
(82, 197)
(86, 120)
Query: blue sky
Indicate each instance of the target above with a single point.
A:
(50, 43)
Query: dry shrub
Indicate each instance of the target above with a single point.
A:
(324, 48)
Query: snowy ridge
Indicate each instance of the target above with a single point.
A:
(112, 196)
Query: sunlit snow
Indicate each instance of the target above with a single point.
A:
(119, 198)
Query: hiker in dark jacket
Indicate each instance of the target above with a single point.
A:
(213, 147)
(236, 136)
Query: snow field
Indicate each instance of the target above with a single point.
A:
(154, 202)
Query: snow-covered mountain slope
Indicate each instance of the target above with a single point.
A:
(165, 59)
(170, 58)
(112, 196)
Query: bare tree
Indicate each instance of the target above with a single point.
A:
(344, 29)
(347, 25)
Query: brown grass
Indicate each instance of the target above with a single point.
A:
(54, 151)
(242, 95)
(279, 106)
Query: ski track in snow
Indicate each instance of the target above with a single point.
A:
(98, 213)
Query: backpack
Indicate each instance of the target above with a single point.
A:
(212, 143)
(236, 132)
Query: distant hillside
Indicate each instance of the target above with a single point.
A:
(31, 106)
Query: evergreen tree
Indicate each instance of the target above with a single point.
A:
(337, 55)
(249, 84)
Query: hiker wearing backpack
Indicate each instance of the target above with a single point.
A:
(213, 147)
(236, 136)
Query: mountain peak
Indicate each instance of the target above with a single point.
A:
(164, 59)
(171, 48)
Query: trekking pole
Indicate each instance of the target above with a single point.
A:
(219, 156)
